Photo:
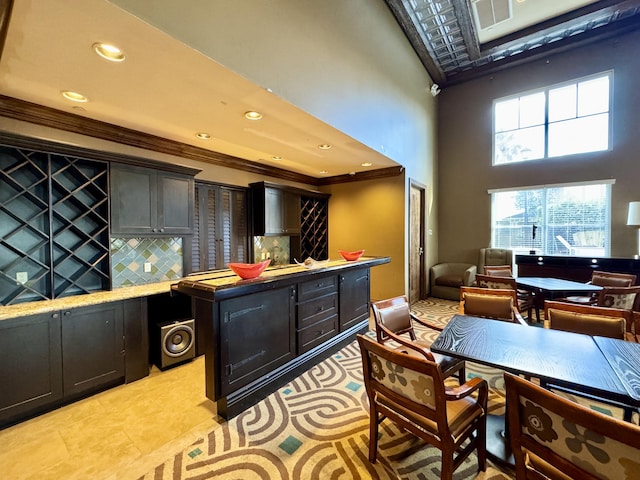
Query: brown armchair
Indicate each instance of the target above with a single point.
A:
(552, 437)
(494, 256)
(619, 297)
(410, 391)
(602, 279)
(498, 304)
(394, 321)
(447, 278)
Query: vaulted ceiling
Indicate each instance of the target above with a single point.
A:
(458, 40)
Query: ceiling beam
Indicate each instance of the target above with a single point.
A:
(467, 28)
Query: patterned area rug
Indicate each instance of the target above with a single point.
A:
(317, 427)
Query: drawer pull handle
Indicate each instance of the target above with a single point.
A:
(320, 332)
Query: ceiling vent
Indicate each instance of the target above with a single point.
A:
(490, 12)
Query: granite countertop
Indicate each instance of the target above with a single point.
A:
(214, 279)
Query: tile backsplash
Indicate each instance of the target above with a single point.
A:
(275, 248)
(163, 257)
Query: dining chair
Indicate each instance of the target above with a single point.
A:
(602, 279)
(394, 321)
(588, 319)
(552, 437)
(497, 271)
(526, 299)
(619, 297)
(410, 391)
(495, 303)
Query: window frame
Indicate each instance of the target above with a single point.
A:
(545, 90)
(540, 247)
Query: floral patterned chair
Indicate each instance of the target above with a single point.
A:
(619, 297)
(410, 392)
(552, 437)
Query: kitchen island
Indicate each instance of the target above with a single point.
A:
(260, 333)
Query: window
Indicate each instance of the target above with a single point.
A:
(570, 219)
(561, 120)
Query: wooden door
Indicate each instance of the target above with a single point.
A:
(417, 269)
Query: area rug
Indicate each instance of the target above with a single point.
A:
(317, 427)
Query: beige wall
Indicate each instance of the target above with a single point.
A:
(370, 215)
(464, 157)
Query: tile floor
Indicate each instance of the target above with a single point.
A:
(117, 434)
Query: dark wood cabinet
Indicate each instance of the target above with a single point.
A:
(31, 365)
(221, 232)
(354, 297)
(145, 201)
(92, 347)
(276, 210)
(256, 336)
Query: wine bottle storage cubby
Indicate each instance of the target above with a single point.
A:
(54, 230)
(314, 228)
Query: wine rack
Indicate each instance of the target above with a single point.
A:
(314, 241)
(54, 230)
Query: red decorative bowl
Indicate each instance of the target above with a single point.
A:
(249, 270)
(350, 256)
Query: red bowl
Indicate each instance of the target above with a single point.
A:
(249, 270)
(350, 256)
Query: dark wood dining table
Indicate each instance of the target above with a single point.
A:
(574, 361)
(547, 288)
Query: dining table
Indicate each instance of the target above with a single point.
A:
(572, 361)
(548, 288)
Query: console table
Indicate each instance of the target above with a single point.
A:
(578, 269)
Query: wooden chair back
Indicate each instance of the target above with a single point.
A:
(499, 282)
(410, 391)
(552, 437)
(586, 319)
(498, 271)
(619, 297)
(495, 303)
(610, 279)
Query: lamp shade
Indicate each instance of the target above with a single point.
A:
(633, 219)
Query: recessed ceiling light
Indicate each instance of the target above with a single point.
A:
(325, 146)
(324, 172)
(252, 115)
(74, 96)
(366, 164)
(108, 52)
(203, 135)
(276, 157)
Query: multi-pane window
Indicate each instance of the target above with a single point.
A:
(570, 219)
(561, 120)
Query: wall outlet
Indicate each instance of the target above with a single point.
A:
(147, 267)
(22, 277)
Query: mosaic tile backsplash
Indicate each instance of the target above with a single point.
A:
(163, 257)
(276, 248)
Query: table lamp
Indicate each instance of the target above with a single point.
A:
(633, 219)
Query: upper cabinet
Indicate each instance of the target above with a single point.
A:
(146, 201)
(276, 210)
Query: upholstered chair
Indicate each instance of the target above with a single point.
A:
(497, 304)
(394, 322)
(619, 297)
(410, 391)
(494, 256)
(526, 298)
(602, 279)
(552, 437)
(447, 278)
(588, 319)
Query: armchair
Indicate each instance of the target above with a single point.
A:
(495, 303)
(447, 278)
(410, 391)
(494, 256)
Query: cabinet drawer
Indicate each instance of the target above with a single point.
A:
(317, 333)
(318, 309)
(317, 287)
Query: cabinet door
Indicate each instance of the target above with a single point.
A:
(133, 200)
(290, 212)
(175, 203)
(273, 215)
(92, 347)
(31, 364)
(257, 335)
(354, 297)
